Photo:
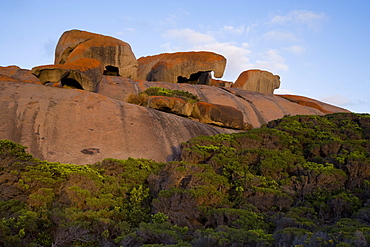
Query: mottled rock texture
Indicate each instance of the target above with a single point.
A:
(84, 73)
(220, 115)
(115, 55)
(257, 108)
(258, 81)
(15, 73)
(76, 126)
(182, 67)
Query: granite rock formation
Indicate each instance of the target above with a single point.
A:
(76, 126)
(86, 126)
(84, 73)
(115, 55)
(258, 81)
(182, 67)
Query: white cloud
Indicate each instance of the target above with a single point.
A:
(306, 17)
(296, 49)
(188, 36)
(280, 36)
(235, 30)
(272, 61)
(337, 100)
(283, 91)
(237, 57)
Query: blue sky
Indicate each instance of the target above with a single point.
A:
(320, 48)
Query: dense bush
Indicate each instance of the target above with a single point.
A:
(297, 181)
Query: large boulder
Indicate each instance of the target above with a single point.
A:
(115, 55)
(169, 104)
(81, 127)
(84, 73)
(15, 73)
(258, 81)
(220, 115)
(182, 67)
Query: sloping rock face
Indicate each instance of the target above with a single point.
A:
(15, 73)
(182, 67)
(84, 73)
(258, 81)
(76, 126)
(115, 55)
(221, 115)
(321, 106)
(173, 105)
(257, 108)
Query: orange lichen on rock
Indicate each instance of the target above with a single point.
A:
(188, 66)
(304, 101)
(258, 81)
(84, 73)
(111, 52)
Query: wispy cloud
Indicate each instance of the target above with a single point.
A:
(340, 100)
(271, 60)
(188, 37)
(308, 18)
(295, 49)
(281, 36)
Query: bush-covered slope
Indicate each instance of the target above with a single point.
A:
(297, 181)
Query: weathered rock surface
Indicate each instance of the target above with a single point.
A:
(169, 104)
(221, 115)
(15, 73)
(84, 73)
(321, 106)
(257, 108)
(258, 81)
(76, 126)
(181, 67)
(115, 55)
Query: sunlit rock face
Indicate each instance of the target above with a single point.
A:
(258, 81)
(182, 67)
(80, 127)
(115, 55)
(84, 73)
(257, 108)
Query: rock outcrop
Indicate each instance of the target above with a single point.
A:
(258, 81)
(84, 73)
(321, 106)
(15, 73)
(182, 67)
(80, 127)
(220, 115)
(257, 108)
(115, 55)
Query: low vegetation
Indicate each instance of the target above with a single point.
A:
(297, 181)
(140, 99)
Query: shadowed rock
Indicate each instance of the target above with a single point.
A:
(84, 73)
(173, 105)
(258, 81)
(182, 67)
(115, 55)
(221, 115)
